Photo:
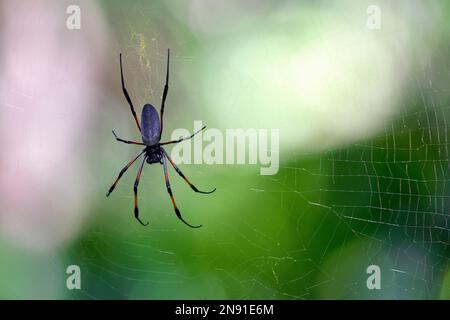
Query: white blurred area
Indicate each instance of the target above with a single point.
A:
(48, 92)
(316, 72)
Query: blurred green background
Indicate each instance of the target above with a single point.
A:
(364, 171)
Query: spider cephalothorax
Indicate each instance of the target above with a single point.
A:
(151, 131)
(154, 154)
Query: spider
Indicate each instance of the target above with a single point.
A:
(151, 131)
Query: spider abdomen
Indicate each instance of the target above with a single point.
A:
(150, 125)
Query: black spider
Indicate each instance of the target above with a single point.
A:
(151, 131)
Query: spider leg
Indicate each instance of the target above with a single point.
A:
(182, 139)
(136, 183)
(122, 172)
(169, 190)
(184, 177)
(166, 89)
(127, 141)
(127, 96)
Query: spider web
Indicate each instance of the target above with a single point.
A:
(296, 235)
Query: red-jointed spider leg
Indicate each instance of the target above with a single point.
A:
(127, 96)
(166, 89)
(182, 139)
(127, 141)
(184, 177)
(136, 183)
(122, 172)
(169, 190)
